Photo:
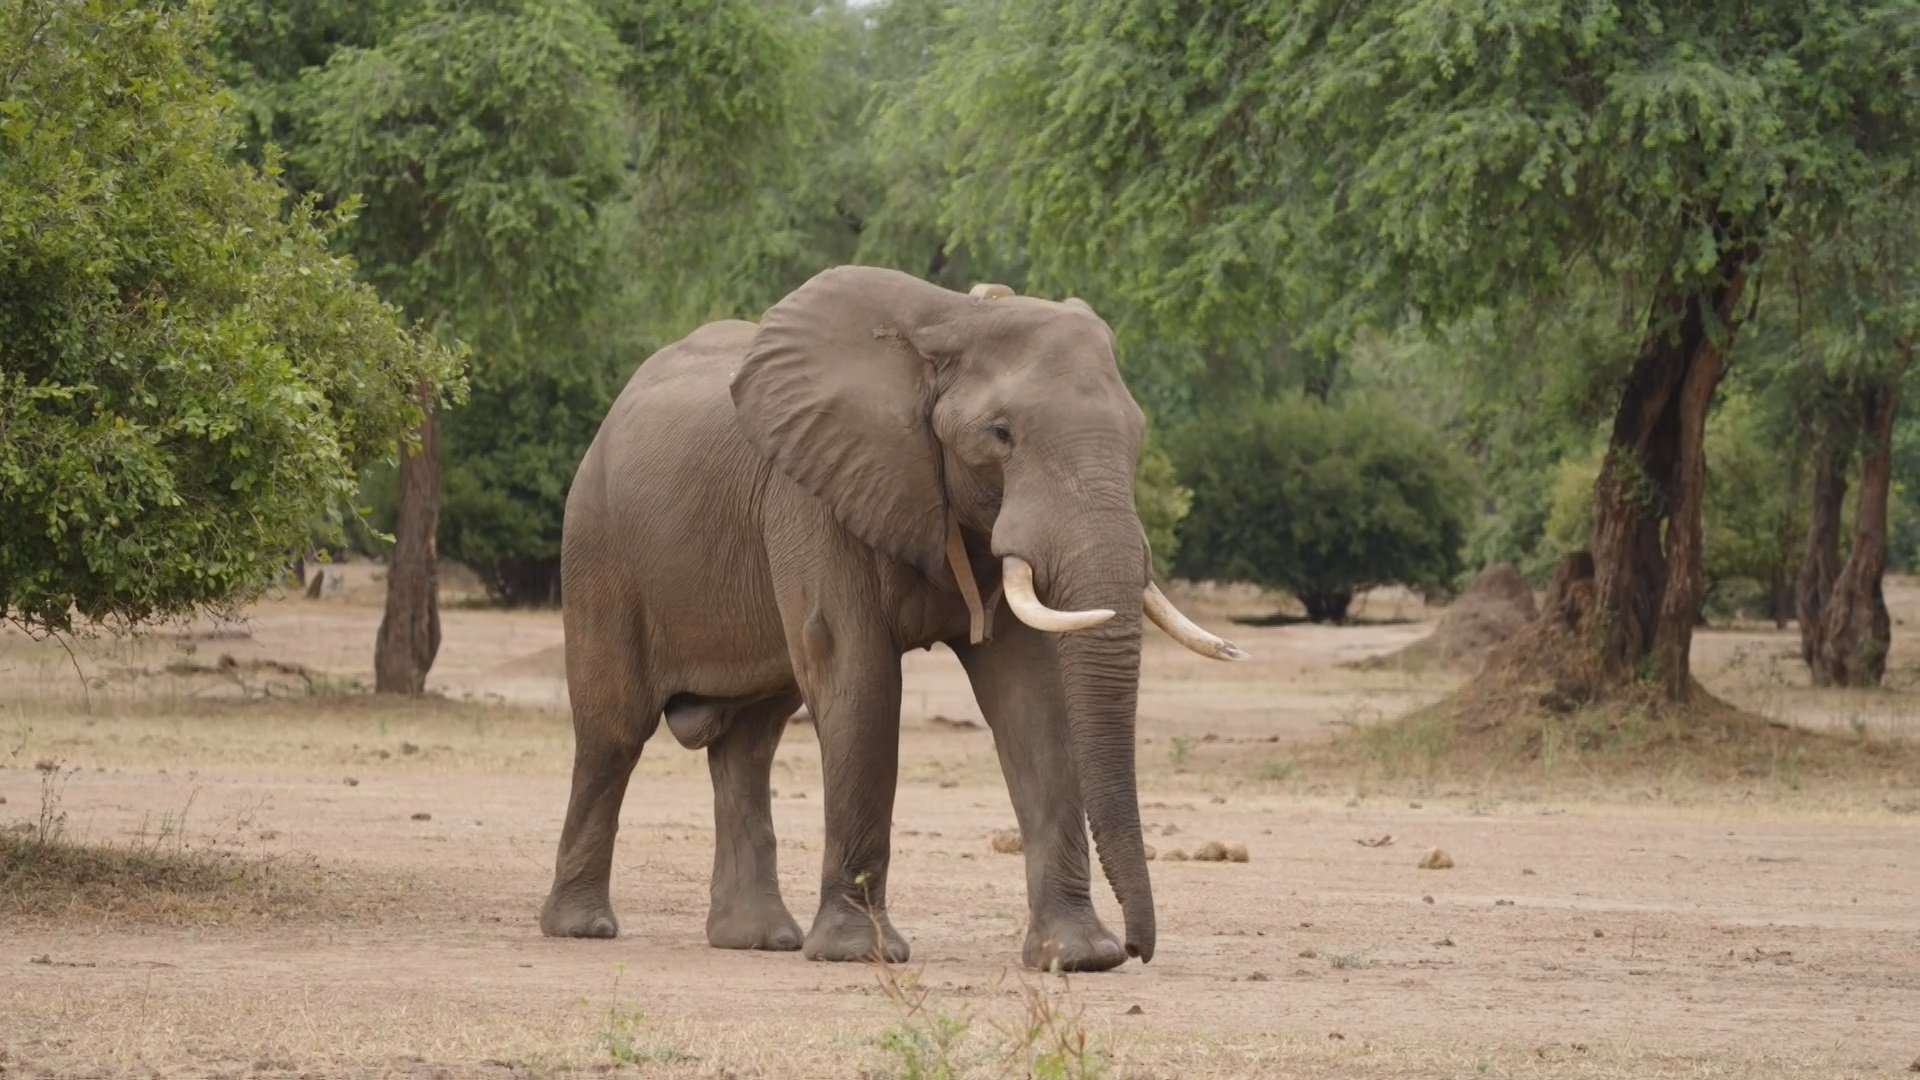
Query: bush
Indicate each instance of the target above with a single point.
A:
(189, 378)
(1161, 501)
(1323, 501)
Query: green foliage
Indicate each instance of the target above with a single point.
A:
(1756, 510)
(1323, 501)
(506, 492)
(188, 377)
(1161, 500)
(486, 139)
(554, 181)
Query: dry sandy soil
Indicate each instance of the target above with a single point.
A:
(1657, 928)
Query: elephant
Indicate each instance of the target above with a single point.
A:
(773, 514)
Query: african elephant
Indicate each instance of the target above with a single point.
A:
(773, 514)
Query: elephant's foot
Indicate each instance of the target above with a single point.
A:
(844, 932)
(1071, 941)
(760, 923)
(569, 914)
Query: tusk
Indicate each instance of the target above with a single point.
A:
(1016, 577)
(989, 291)
(1185, 630)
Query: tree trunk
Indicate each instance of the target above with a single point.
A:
(1855, 632)
(1648, 582)
(410, 631)
(1822, 561)
(1327, 607)
(1780, 600)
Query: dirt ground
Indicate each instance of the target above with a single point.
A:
(1663, 928)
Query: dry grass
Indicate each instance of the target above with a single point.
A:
(293, 1032)
(160, 876)
(1541, 717)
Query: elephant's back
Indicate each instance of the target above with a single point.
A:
(674, 413)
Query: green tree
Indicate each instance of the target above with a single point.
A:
(188, 377)
(1323, 501)
(1351, 158)
(486, 138)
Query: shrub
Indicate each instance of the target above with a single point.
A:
(189, 378)
(1323, 501)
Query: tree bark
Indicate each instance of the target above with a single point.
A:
(1821, 563)
(410, 630)
(1855, 631)
(1648, 582)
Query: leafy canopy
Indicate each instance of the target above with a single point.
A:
(188, 377)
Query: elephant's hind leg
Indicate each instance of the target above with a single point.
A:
(747, 911)
(614, 712)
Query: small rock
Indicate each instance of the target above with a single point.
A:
(1218, 800)
(1445, 943)
(1237, 853)
(1152, 853)
(1211, 851)
(1503, 903)
(1336, 1036)
(409, 748)
(1427, 899)
(47, 958)
(1597, 932)
(1006, 842)
(351, 782)
(1413, 806)
(423, 816)
(1309, 954)
(1436, 859)
(949, 783)
(1176, 855)
(1527, 873)
(1259, 976)
(1133, 1011)
(50, 765)
(3, 800)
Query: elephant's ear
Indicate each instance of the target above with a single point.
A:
(834, 393)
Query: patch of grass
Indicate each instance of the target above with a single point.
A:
(1350, 961)
(1418, 746)
(1046, 1040)
(1182, 751)
(624, 1035)
(160, 875)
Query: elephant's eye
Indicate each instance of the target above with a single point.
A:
(1002, 433)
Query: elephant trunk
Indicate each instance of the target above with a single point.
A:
(1100, 670)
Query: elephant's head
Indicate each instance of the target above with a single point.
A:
(908, 408)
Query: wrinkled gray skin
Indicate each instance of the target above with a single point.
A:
(762, 520)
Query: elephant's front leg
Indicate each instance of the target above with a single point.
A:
(850, 675)
(1016, 679)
